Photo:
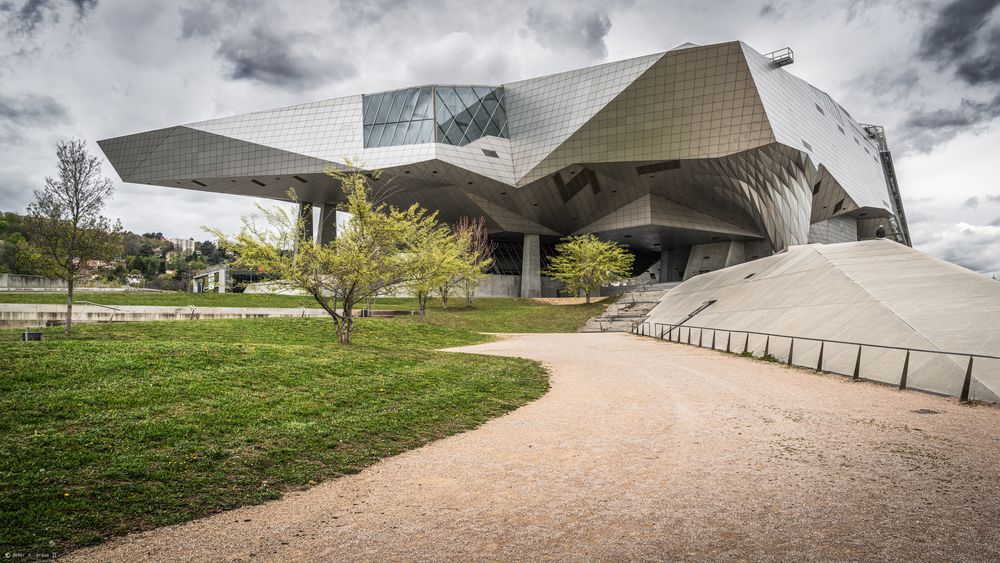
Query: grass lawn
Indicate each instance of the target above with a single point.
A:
(126, 427)
(487, 315)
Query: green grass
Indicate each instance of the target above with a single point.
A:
(125, 427)
(486, 315)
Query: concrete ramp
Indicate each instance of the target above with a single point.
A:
(872, 292)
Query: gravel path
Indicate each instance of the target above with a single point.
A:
(647, 450)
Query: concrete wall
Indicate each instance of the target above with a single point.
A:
(18, 281)
(872, 292)
(490, 286)
(705, 258)
(835, 229)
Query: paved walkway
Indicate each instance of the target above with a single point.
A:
(648, 450)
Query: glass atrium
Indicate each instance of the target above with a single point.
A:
(454, 115)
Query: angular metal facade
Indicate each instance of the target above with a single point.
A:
(662, 153)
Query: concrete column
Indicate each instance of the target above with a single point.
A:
(327, 223)
(222, 280)
(531, 267)
(664, 273)
(306, 214)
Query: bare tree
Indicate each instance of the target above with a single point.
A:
(65, 226)
(478, 253)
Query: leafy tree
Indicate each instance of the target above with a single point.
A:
(433, 259)
(585, 263)
(363, 259)
(64, 223)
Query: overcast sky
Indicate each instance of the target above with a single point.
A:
(929, 71)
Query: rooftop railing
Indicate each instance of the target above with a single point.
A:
(684, 334)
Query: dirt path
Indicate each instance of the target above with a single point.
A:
(648, 450)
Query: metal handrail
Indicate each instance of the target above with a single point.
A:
(640, 328)
(115, 309)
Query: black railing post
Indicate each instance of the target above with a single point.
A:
(729, 339)
(791, 349)
(713, 339)
(819, 364)
(746, 344)
(689, 336)
(964, 397)
(906, 368)
(767, 345)
(857, 365)
(701, 333)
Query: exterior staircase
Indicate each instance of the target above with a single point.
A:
(630, 308)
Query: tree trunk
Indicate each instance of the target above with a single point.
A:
(347, 325)
(422, 305)
(444, 298)
(69, 306)
(588, 297)
(468, 298)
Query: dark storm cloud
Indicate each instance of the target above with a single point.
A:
(972, 203)
(30, 15)
(960, 37)
(575, 30)
(924, 130)
(254, 47)
(266, 56)
(954, 33)
(983, 68)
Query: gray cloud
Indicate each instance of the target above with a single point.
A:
(575, 30)
(924, 130)
(993, 198)
(976, 247)
(995, 222)
(772, 10)
(32, 14)
(19, 114)
(972, 203)
(254, 47)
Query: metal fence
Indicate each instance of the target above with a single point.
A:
(696, 336)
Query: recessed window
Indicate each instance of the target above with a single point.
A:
(749, 276)
(856, 142)
(259, 183)
(816, 188)
(839, 206)
(658, 167)
(202, 184)
(301, 179)
(807, 145)
(820, 110)
(841, 129)
(491, 154)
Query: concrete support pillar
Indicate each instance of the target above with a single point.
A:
(664, 273)
(221, 286)
(531, 267)
(327, 223)
(306, 214)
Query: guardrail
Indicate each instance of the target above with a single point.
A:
(667, 331)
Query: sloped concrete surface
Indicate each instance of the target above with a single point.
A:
(872, 292)
(647, 450)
